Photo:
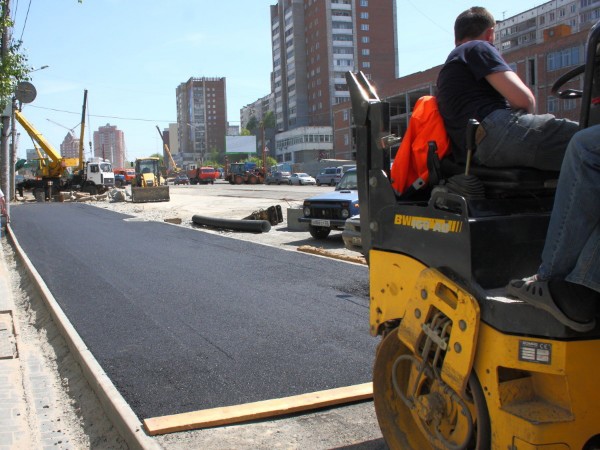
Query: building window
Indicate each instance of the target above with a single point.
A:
(552, 105)
(366, 52)
(345, 115)
(366, 65)
(365, 39)
(364, 27)
(562, 58)
(364, 3)
(364, 15)
(569, 104)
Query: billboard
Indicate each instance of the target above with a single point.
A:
(240, 144)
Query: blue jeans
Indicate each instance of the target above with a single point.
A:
(517, 139)
(572, 248)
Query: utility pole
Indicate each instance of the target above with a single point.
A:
(13, 153)
(5, 183)
(263, 146)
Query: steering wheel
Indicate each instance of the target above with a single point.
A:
(568, 93)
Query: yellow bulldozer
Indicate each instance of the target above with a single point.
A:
(460, 364)
(148, 184)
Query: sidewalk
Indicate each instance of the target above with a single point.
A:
(26, 403)
(14, 427)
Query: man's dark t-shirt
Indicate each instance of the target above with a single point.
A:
(463, 93)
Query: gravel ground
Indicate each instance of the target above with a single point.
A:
(84, 424)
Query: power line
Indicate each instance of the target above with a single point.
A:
(25, 23)
(445, 30)
(105, 117)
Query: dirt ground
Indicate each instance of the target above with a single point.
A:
(62, 410)
(83, 423)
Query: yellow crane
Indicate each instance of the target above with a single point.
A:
(94, 176)
(168, 152)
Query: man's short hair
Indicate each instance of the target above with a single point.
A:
(472, 23)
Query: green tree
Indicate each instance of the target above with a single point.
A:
(252, 125)
(269, 120)
(258, 161)
(159, 156)
(13, 66)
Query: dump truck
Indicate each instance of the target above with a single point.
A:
(94, 176)
(244, 173)
(148, 184)
(460, 364)
(202, 175)
(128, 174)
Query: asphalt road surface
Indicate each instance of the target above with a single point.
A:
(183, 320)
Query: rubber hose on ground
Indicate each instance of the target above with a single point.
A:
(259, 226)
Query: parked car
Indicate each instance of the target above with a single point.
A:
(301, 179)
(330, 211)
(277, 178)
(351, 234)
(329, 175)
(182, 178)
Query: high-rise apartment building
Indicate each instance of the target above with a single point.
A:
(201, 118)
(549, 21)
(69, 148)
(257, 109)
(109, 143)
(315, 42)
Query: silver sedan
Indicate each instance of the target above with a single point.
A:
(302, 179)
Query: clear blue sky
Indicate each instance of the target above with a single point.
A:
(132, 54)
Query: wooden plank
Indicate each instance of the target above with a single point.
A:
(258, 410)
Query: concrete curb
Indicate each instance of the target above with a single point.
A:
(114, 405)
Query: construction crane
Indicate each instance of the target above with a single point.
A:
(166, 147)
(94, 176)
(72, 130)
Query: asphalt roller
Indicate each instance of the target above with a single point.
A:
(460, 365)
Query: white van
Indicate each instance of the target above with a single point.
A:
(329, 175)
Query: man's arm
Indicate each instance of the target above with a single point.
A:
(518, 95)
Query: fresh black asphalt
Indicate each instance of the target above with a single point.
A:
(183, 320)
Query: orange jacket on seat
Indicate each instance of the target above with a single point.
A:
(410, 164)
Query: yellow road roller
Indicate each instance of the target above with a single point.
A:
(460, 364)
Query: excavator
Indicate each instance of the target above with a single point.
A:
(461, 365)
(148, 184)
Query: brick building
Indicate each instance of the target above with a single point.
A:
(201, 118)
(314, 43)
(109, 143)
(540, 45)
(69, 148)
